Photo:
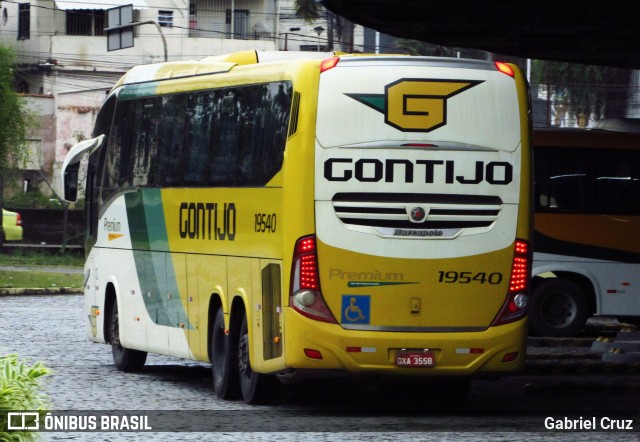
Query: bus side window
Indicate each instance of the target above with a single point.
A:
(172, 150)
(567, 181)
(616, 184)
(199, 113)
(121, 143)
(224, 141)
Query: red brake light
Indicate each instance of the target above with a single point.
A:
(520, 268)
(504, 68)
(306, 252)
(305, 296)
(18, 219)
(329, 63)
(515, 306)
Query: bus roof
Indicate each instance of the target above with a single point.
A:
(217, 64)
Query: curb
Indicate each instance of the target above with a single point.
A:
(41, 291)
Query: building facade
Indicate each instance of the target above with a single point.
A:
(65, 69)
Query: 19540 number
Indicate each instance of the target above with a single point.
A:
(453, 277)
(265, 222)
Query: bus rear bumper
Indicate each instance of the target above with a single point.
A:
(329, 347)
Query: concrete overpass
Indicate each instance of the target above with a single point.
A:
(579, 31)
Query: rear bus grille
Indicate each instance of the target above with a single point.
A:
(416, 211)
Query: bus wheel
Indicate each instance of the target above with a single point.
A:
(256, 388)
(558, 308)
(125, 359)
(224, 363)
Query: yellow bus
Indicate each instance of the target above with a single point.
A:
(587, 247)
(285, 216)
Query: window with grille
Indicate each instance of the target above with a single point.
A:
(165, 18)
(85, 22)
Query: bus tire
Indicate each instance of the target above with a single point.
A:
(257, 388)
(224, 360)
(125, 359)
(558, 308)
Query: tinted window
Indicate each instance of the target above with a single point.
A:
(223, 137)
(587, 180)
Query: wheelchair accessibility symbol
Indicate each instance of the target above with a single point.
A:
(356, 309)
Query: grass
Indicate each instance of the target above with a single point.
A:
(25, 257)
(38, 277)
(13, 279)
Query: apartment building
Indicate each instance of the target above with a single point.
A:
(65, 68)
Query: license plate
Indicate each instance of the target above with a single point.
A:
(415, 359)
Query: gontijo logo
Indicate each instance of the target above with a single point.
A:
(415, 105)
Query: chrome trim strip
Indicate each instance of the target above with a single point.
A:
(394, 328)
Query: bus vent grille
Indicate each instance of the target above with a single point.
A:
(295, 108)
(417, 211)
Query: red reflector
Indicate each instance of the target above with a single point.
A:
(313, 354)
(329, 63)
(354, 349)
(510, 357)
(504, 68)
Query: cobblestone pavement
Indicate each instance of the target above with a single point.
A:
(51, 329)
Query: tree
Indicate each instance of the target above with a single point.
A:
(584, 90)
(311, 10)
(416, 47)
(13, 114)
(15, 121)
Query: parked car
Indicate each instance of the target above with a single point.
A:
(11, 226)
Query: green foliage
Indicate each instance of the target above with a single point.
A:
(14, 115)
(56, 281)
(582, 87)
(22, 257)
(20, 389)
(415, 47)
(33, 199)
(309, 10)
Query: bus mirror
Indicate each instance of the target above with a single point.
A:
(71, 166)
(70, 180)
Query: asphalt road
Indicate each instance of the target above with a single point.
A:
(177, 395)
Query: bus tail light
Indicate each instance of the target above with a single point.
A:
(306, 297)
(504, 68)
(515, 306)
(329, 63)
(18, 219)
